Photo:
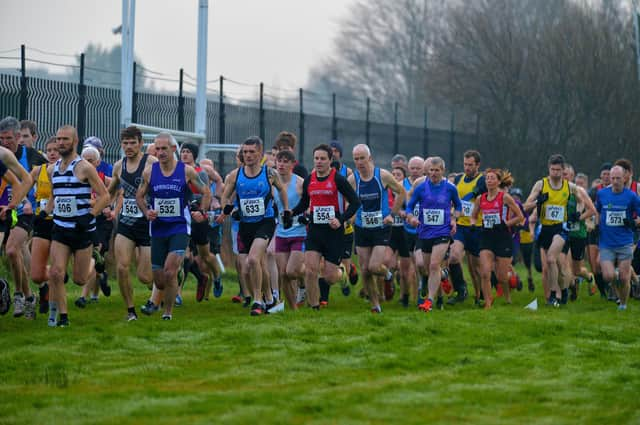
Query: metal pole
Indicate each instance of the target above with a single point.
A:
(396, 130)
(261, 113)
(23, 84)
(134, 96)
(301, 130)
(425, 135)
(126, 88)
(181, 102)
(221, 119)
(201, 83)
(367, 123)
(82, 113)
(334, 120)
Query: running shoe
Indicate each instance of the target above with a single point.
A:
(104, 284)
(5, 297)
(592, 286)
(344, 285)
(324, 304)
(18, 304)
(166, 317)
(530, 284)
(301, 296)
(446, 286)
(132, 316)
(499, 291)
(426, 306)
(573, 289)
(513, 281)
(564, 296)
(460, 297)
(439, 303)
(518, 283)
(52, 321)
(389, 287)
(404, 300)
(63, 323)
(622, 307)
(376, 310)
(149, 308)
(30, 307)
(247, 302)
(93, 300)
(217, 287)
(81, 302)
(202, 286)
(276, 308)
(257, 309)
(236, 299)
(43, 296)
(178, 300)
(552, 301)
(353, 274)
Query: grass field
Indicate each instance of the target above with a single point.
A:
(215, 364)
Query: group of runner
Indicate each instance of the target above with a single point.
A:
(293, 232)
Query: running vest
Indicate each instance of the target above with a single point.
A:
(6, 195)
(297, 230)
(348, 228)
(130, 214)
(576, 229)
(464, 188)
(416, 210)
(493, 211)
(374, 201)
(43, 189)
(71, 197)
(254, 196)
(168, 199)
(324, 198)
(554, 209)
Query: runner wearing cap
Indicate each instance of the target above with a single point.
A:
(103, 166)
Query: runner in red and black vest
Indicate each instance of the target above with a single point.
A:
(322, 193)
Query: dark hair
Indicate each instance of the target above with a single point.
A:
(286, 138)
(131, 132)
(556, 159)
(31, 125)
(253, 140)
(323, 147)
(50, 140)
(624, 163)
(404, 172)
(286, 156)
(472, 154)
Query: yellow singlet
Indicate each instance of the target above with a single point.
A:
(43, 189)
(465, 188)
(554, 209)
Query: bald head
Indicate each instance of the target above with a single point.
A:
(617, 178)
(361, 149)
(416, 167)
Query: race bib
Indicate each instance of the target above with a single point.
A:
(130, 208)
(433, 217)
(467, 208)
(398, 221)
(615, 218)
(416, 211)
(322, 215)
(489, 220)
(371, 218)
(252, 207)
(574, 226)
(65, 206)
(43, 204)
(167, 207)
(554, 212)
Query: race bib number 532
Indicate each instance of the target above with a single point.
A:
(167, 207)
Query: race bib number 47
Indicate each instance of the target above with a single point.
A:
(615, 218)
(433, 217)
(66, 206)
(323, 215)
(252, 207)
(167, 207)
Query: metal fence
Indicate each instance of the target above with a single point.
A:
(315, 118)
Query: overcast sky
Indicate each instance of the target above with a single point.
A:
(273, 41)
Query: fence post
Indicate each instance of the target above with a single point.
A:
(181, 102)
(396, 130)
(134, 97)
(425, 135)
(452, 140)
(334, 120)
(82, 112)
(23, 84)
(301, 131)
(367, 123)
(221, 120)
(261, 114)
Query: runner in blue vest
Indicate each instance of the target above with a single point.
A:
(167, 184)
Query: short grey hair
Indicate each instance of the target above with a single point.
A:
(437, 161)
(10, 124)
(399, 157)
(168, 136)
(90, 150)
(363, 147)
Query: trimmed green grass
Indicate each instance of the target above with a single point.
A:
(215, 364)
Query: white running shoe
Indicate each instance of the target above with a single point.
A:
(276, 308)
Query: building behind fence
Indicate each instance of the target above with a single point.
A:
(315, 118)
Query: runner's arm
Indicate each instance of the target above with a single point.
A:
(397, 188)
(413, 200)
(583, 196)
(195, 178)
(518, 217)
(88, 173)
(455, 199)
(20, 190)
(531, 202)
(304, 198)
(141, 193)
(114, 184)
(282, 191)
(347, 191)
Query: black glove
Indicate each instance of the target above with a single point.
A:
(574, 217)
(235, 215)
(631, 224)
(228, 209)
(304, 219)
(83, 223)
(194, 205)
(542, 198)
(287, 219)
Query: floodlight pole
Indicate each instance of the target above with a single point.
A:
(126, 67)
(636, 25)
(201, 77)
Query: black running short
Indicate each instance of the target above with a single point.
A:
(347, 246)
(548, 232)
(26, 222)
(399, 243)
(42, 229)
(428, 244)
(214, 239)
(325, 240)
(499, 242)
(138, 233)
(72, 238)
(368, 238)
(577, 247)
(104, 230)
(248, 232)
(200, 232)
